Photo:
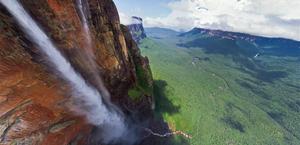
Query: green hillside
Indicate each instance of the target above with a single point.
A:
(225, 98)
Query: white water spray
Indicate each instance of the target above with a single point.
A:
(94, 109)
(85, 24)
(88, 55)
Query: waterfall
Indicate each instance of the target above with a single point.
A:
(88, 54)
(90, 100)
(82, 12)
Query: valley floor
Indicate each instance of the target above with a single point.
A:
(221, 99)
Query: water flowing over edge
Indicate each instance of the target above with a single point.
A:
(94, 109)
(87, 54)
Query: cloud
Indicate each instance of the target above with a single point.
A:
(125, 19)
(280, 18)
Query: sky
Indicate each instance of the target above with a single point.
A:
(271, 18)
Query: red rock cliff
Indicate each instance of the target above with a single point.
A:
(34, 99)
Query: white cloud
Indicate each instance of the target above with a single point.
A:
(276, 18)
(125, 19)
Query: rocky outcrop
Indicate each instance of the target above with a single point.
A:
(34, 100)
(136, 29)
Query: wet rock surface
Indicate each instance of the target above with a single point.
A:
(34, 100)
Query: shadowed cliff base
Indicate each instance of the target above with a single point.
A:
(158, 124)
(153, 130)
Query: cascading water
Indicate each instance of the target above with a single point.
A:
(94, 110)
(88, 54)
(85, 24)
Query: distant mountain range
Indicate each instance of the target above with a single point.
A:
(198, 37)
(217, 39)
(241, 36)
(157, 32)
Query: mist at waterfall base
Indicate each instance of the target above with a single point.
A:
(110, 122)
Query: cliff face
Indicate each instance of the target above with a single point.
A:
(137, 29)
(34, 100)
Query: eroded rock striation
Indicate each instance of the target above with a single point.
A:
(34, 100)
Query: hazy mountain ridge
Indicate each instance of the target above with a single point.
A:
(264, 45)
(158, 33)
